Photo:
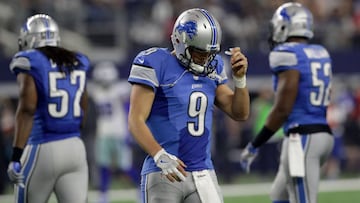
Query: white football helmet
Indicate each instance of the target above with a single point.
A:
(198, 30)
(105, 73)
(39, 30)
(291, 19)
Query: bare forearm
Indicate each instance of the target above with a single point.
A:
(23, 126)
(276, 119)
(144, 138)
(241, 104)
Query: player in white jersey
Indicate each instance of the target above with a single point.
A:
(302, 83)
(111, 97)
(48, 154)
(172, 100)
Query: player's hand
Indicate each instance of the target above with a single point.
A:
(247, 156)
(171, 166)
(238, 61)
(14, 173)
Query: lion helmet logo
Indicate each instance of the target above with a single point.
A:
(189, 27)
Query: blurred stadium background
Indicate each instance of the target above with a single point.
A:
(115, 30)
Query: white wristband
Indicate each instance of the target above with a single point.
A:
(158, 154)
(240, 82)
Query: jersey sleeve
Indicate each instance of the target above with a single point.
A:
(144, 69)
(25, 62)
(20, 63)
(84, 61)
(283, 59)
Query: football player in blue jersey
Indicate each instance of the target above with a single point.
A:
(173, 96)
(48, 154)
(302, 83)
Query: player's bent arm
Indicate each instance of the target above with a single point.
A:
(234, 104)
(141, 100)
(25, 110)
(285, 97)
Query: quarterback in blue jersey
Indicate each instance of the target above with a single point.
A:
(48, 154)
(172, 100)
(302, 82)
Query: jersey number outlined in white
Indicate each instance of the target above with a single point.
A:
(77, 76)
(197, 109)
(322, 96)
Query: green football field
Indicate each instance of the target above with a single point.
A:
(331, 191)
(324, 197)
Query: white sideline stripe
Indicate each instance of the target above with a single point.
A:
(228, 190)
(264, 188)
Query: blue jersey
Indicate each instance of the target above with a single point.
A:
(314, 65)
(182, 111)
(58, 114)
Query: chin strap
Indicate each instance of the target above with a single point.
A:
(198, 69)
(193, 67)
(201, 70)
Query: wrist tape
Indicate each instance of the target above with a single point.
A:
(240, 82)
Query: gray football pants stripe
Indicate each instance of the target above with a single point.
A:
(58, 166)
(317, 149)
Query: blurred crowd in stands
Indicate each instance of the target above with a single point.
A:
(131, 25)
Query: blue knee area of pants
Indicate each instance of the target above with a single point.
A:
(104, 179)
(281, 201)
(134, 174)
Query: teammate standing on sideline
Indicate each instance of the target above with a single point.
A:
(302, 82)
(48, 154)
(172, 100)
